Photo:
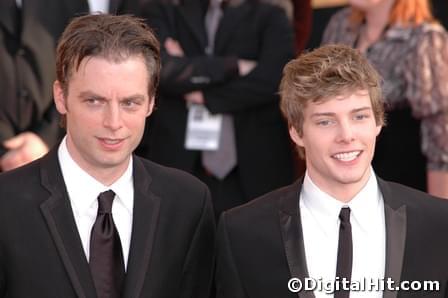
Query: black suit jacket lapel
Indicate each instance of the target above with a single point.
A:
(6, 17)
(395, 217)
(233, 16)
(291, 228)
(145, 218)
(193, 14)
(61, 223)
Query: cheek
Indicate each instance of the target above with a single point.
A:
(84, 121)
(135, 122)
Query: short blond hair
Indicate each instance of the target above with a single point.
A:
(324, 73)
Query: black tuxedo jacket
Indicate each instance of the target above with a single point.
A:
(41, 254)
(260, 245)
(252, 30)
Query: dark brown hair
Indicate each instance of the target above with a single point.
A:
(114, 38)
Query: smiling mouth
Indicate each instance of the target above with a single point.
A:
(347, 156)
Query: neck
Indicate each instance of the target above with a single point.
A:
(377, 19)
(106, 175)
(341, 191)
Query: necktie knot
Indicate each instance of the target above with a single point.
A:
(344, 215)
(105, 200)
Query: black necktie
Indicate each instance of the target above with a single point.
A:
(345, 252)
(106, 256)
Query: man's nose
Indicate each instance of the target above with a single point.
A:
(346, 132)
(112, 117)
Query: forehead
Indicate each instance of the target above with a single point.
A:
(340, 104)
(99, 66)
(110, 79)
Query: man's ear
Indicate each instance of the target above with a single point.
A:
(295, 136)
(59, 98)
(378, 129)
(152, 101)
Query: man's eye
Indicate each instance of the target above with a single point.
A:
(131, 104)
(324, 122)
(128, 103)
(93, 101)
(361, 116)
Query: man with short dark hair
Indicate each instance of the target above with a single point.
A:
(339, 227)
(90, 219)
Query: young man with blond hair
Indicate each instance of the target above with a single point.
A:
(340, 230)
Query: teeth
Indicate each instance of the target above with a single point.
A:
(111, 142)
(347, 156)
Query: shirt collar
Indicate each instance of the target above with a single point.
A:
(364, 206)
(323, 207)
(83, 189)
(326, 208)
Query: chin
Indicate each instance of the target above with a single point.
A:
(350, 178)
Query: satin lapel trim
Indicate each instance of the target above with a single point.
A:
(144, 226)
(396, 223)
(191, 11)
(292, 236)
(395, 244)
(61, 223)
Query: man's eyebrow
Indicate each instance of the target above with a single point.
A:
(85, 94)
(330, 114)
(91, 94)
(134, 97)
(361, 109)
(322, 114)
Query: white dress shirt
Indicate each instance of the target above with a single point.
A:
(83, 191)
(19, 3)
(319, 214)
(98, 6)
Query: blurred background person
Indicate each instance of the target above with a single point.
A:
(299, 13)
(410, 50)
(28, 121)
(29, 31)
(227, 57)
